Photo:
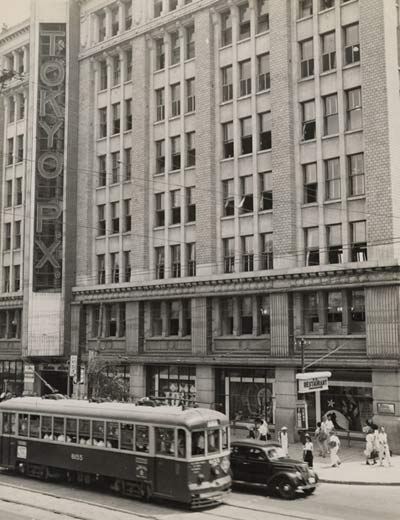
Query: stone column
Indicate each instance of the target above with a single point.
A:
(285, 399)
(137, 381)
(199, 326)
(132, 328)
(386, 390)
(205, 386)
(279, 324)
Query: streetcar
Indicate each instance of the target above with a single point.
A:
(139, 451)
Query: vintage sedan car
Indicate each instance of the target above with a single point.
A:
(264, 464)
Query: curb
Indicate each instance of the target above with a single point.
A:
(358, 483)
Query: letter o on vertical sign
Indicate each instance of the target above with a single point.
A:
(52, 73)
(50, 165)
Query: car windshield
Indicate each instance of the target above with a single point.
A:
(275, 452)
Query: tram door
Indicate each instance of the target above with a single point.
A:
(166, 481)
(8, 451)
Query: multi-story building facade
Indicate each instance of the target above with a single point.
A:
(232, 196)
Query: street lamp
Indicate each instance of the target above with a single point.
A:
(301, 343)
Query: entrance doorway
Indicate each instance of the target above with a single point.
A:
(57, 379)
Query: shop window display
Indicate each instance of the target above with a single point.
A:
(172, 384)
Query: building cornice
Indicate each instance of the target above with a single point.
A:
(14, 32)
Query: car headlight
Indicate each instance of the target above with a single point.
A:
(298, 475)
(225, 464)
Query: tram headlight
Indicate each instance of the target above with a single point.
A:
(225, 464)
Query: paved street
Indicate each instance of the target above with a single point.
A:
(34, 500)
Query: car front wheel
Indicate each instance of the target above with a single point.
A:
(286, 489)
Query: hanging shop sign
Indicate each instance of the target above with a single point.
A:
(73, 365)
(313, 381)
(49, 167)
(301, 415)
(29, 373)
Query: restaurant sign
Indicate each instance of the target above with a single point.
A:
(313, 381)
(49, 167)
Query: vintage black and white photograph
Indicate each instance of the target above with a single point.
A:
(199, 259)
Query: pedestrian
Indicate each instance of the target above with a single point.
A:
(320, 438)
(308, 451)
(326, 428)
(262, 428)
(284, 440)
(383, 447)
(334, 445)
(371, 448)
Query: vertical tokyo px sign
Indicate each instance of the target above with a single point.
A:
(49, 174)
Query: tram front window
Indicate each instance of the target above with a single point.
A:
(181, 444)
(225, 438)
(198, 443)
(213, 441)
(165, 444)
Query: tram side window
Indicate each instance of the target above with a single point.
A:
(71, 430)
(47, 428)
(34, 426)
(213, 441)
(98, 433)
(127, 436)
(181, 444)
(59, 429)
(165, 444)
(9, 423)
(84, 432)
(112, 435)
(23, 424)
(142, 438)
(198, 443)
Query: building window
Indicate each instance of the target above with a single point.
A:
(227, 85)
(263, 72)
(116, 70)
(128, 16)
(265, 125)
(114, 320)
(226, 307)
(356, 174)
(114, 267)
(160, 262)
(7, 236)
(128, 114)
(244, 21)
(173, 4)
(175, 99)
(160, 104)
(190, 205)
(158, 4)
(247, 254)
(21, 106)
(305, 8)
(351, 44)
(115, 167)
(191, 259)
(190, 149)
(312, 245)
(229, 255)
(228, 197)
(310, 183)
(6, 279)
(176, 261)
(246, 315)
(102, 170)
(227, 135)
(246, 193)
(17, 234)
(311, 315)
(267, 252)
(306, 58)
(262, 15)
(328, 48)
(114, 21)
(116, 115)
(127, 266)
(190, 95)
(308, 120)
(114, 217)
(335, 247)
(176, 152)
(354, 109)
(186, 317)
(102, 122)
(160, 210)
(127, 164)
(332, 179)
(245, 78)
(173, 311)
(246, 135)
(175, 206)
(326, 4)
(10, 151)
(18, 191)
(11, 109)
(334, 312)
(357, 311)
(160, 156)
(17, 277)
(226, 28)
(175, 48)
(9, 191)
(128, 65)
(20, 148)
(331, 116)
(101, 220)
(101, 269)
(358, 237)
(156, 319)
(190, 42)
(101, 22)
(127, 215)
(266, 200)
(160, 54)
(103, 83)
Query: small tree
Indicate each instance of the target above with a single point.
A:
(105, 380)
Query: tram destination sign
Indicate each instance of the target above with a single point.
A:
(49, 165)
(313, 381)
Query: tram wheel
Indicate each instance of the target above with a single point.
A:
(70, 476)
(145, 492)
